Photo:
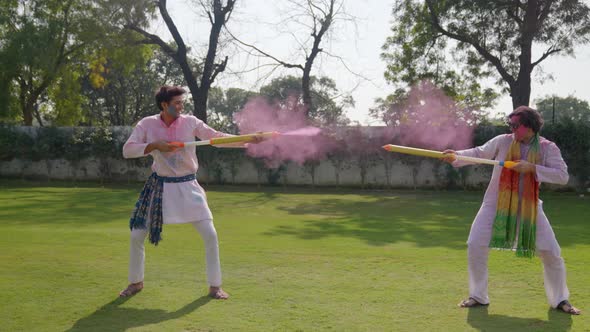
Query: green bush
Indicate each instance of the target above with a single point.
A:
(75, 144)
(14, 144)
(80, 144)
(484, 133)
(573, 139)
(51, 143)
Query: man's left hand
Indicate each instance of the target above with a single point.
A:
(256, 139)
(523, 166)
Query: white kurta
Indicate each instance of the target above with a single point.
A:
(182, 202)
(551, 169)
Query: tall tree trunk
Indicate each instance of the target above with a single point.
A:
(30, 110)
(306, 87)
(200, 92)
(27, 111)
(27, 115)
(324, 25)
(209, 71)
(521, 91)
(193, 86)
(200, 103)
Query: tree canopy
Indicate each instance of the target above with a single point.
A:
(39, 40)
(223, 104)
(556, 109)
(458, 43)
(80, 62)
(198, 75)
(328, 105)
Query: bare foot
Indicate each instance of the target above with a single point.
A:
(567, 307)
(132, 289)
(218, 293)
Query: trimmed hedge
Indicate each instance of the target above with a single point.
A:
(75, 144)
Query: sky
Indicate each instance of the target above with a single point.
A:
(355, 45)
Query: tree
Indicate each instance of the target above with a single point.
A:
(406, 107)
(327, 105)
(222, 106)
(120, 85)
(65, 100)
(425, 117)
(557, 109)
(40, 38)
(482, 39)
(199, 78)
(318, 16)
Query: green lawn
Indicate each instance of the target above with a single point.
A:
(293, 260)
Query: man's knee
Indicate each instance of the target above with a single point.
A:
(207, 231)
(210, 236)
(549, 257)
(138, 235)
(477, 252)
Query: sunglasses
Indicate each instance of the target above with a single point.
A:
(513, 126)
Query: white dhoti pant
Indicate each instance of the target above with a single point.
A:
(209, 235)
(547, 249)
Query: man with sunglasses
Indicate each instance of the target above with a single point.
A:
(511, 215)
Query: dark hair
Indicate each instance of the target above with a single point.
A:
(529, 117)
(166, 93)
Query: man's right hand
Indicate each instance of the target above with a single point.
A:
(450, 156)
(161, 146)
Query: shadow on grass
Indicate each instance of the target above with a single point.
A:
(428, 219)
(421, 218)
(44, 205)
(481, 320)
(71, 205)
(112, 317)
(247, 203)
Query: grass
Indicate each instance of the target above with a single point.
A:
(293, 259)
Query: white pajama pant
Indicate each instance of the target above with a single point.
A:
(209, 235)
(547, 249)
(553, 273)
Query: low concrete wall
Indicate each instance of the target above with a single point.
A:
(425, 174)
(375, 170)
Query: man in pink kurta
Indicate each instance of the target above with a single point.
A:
(525, 123)
(181, 199)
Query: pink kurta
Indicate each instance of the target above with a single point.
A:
(181, 202)
(551, 169)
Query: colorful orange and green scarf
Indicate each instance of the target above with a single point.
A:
(506, 221)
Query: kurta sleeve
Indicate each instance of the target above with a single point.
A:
(136, 144)
(487, 151)
(204, 132)
(554, 168)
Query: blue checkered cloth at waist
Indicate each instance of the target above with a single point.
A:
(150, 203)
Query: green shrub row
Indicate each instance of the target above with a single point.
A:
(58, 143)
(77, 143)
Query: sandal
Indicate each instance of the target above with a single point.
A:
(218, 293)
(471, 303)
(132, 289)
(570, 308)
